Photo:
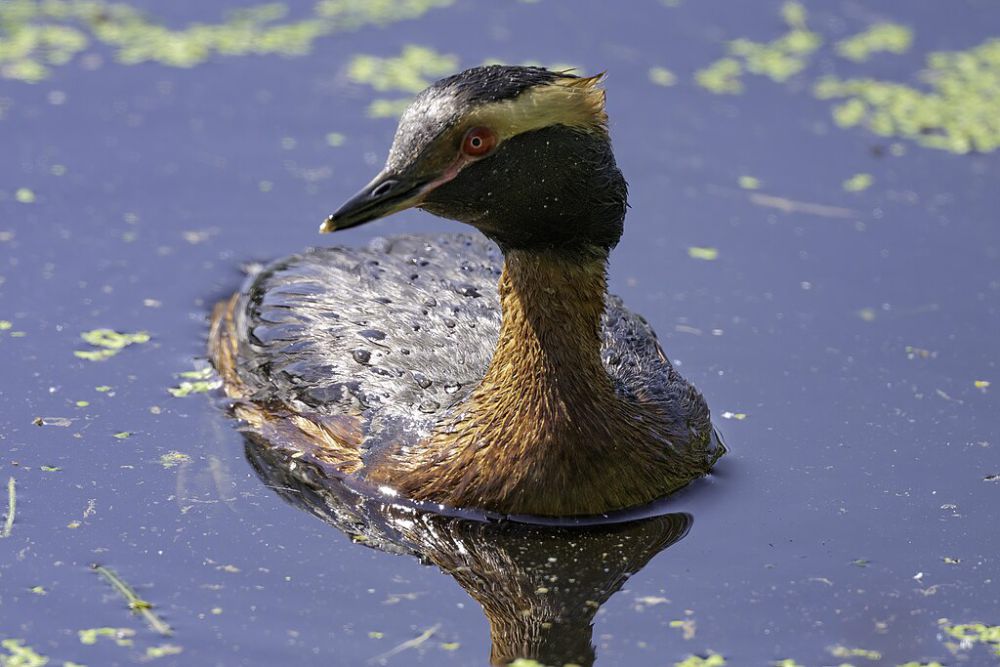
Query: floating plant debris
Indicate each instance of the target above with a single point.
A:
(410, 72)
(173, 458)
(881, 37)
(661, 76)
(709, 660)
(858, 183)
(195, 382)
(722, 76)
(957, 111)
(779, 59)
(38, 36)
(19, 655)
(135, 603)
(698, 252)
(162, 651)
(121, 636)
(974, 633)
(108, 343)
(8, 524)
(845, 652)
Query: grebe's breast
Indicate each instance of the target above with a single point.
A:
(394, 335)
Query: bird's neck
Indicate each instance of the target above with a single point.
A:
(548, 355)
(545, 432)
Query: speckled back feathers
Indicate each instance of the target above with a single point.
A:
(398, 333)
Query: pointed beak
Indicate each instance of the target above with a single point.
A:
(388, 193)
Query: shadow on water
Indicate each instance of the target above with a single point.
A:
(539, 586)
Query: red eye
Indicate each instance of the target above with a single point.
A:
(479, 141)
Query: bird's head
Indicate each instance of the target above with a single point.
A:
(520, 153)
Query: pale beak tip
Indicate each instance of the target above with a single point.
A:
(329, 225)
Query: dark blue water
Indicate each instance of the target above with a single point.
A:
(858, 505)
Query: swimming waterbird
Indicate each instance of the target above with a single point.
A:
(489, 371)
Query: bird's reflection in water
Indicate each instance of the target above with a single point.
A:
(539, 585)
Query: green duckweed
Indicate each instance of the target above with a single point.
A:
(354, 14)
(162, 651)
(37, 36)
(108, 343)
(112, 340)
(970, 634)
(195, 382)
(845, 652)
(959, 111)
(858, 183)
(200, 374)
(411, 71)
(707, 254)
(710, 660)
(721, 77)
(415, 68)
(881, 37)
(188, 388)
(779, 59)
(661, 76)
(173, 459)
(393, 108)
(794, 14)
(19, 655)
(120, 636)
(24, 196)
(687, 626)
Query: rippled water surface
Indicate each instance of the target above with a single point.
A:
(819, 250)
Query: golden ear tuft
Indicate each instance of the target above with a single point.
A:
(592, 96)
(571, 101)
(581, 81)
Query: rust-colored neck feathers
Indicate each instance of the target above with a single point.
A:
(545, 432)
(546, 374)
